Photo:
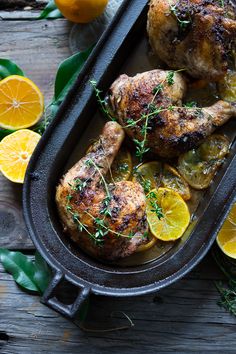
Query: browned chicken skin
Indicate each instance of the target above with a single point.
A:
(82, 199)
(171, 128)
(197, 35)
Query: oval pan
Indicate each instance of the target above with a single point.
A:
(47, 166)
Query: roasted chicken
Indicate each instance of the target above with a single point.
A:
(107, 220)
(149, 107)
(196, 35)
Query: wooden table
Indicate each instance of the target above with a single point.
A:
(183, 318)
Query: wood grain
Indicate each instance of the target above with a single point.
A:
(183, 318)
(21, 4)
(37, 47)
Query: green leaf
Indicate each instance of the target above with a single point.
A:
(8, 67)
(50, 11)
(42, 275)
(67, 74)
(84, 311)
(5, 132)
(20, 267)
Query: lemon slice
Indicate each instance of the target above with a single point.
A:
(226, 238)
(198, 166)
(148, 175)
(173, 180)
(175, 213)
(121, 168)
(147, 246)
(227, 87)
(15, 152)
(21, 103)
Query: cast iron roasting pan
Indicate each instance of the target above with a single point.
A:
(47, 166)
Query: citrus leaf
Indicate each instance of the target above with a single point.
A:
(42, 275)
(67, 74)
(8, 67)
(50, 11)
(20, 267)
(5, 132)
(84, 311)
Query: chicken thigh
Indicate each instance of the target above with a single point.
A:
(107, 220)
(149, 108)
(196, 35)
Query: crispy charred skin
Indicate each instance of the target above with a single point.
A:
(174, 130)
(202, 45)
(127, 204)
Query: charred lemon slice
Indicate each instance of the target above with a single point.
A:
(226, 238)
(227, 87)
(167, 214)
(121, 168)
(198, 166)
(148, 175)
(172, 179)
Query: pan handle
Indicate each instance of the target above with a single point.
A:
(50, 300)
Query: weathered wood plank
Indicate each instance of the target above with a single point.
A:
(183, 318)
(21, 9)
(37, 47)
(21, 4)
(19, 15)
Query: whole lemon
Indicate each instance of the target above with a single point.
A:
(81, 11)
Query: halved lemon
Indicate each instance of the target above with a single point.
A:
(226, 238)
(21, 103)
(148, 175)
(175, 213)
(15, 152)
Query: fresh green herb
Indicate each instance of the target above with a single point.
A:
(170, 78)
(156, 208)
(145, 183)
(228, 296)
(101, 224)
(183, 23)
(222, 3)
(228, 292)
(101, 101)
(158, 89)
(124, 167)
(190, 104)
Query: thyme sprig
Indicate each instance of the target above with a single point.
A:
(101, 225)
(101, 101)
(228, 292)
(152, 111)
(183, 23)
(154, 204)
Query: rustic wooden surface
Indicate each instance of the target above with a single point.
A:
(183, 318)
